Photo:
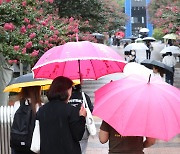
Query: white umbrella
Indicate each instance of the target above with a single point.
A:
(138, 69)
(171, 36)
(173, 49)
(138, 40)
(136, 46)
(98, 34)
(151, 39)
(144, 30)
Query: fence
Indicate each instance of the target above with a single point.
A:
(6, 118)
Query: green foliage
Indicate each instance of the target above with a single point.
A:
(165, 14)
(158, 34)
(103, 15)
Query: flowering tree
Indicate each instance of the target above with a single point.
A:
(103, 15)
(115, 18)
(165, 14)
(31, 27)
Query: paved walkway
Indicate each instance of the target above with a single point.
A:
(161, 147)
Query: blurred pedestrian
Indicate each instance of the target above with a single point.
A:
(148, 51)
(76, 100)
(170, 61)
(123, 144)
(61, 125)
(170, 42)
(132, 56)
(125, 44)
(110, 40)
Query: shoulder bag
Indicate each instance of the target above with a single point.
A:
(89, 118)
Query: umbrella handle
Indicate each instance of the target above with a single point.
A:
(149, 78)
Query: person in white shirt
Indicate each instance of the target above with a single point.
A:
(170, 61)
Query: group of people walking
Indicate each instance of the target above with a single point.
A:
(62, 122)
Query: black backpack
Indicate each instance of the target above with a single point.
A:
(22, 127)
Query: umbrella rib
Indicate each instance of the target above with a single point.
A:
(93, 69)
(64, 68)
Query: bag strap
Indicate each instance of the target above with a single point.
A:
(84, 100)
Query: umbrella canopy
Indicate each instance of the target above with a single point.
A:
(144, 30)
(172, 49)
(138, 69)
(120, 34)
(150, 63)
(138, 40)
(27, 80)
(125, 40)
(136, 46)
(170, 36)
(79, 60)
(135, 107)
(133, 37)
(151, 39)
(98, 35)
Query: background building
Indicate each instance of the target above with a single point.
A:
(136, 10)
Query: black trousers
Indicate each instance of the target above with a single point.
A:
(148, 54)
(170, 77)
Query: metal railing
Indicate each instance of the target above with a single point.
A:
(6, 118)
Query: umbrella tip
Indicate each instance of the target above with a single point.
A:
(149, 78)
(77, 37)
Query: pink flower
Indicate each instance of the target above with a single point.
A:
(32, 35)
(51, 27)
(50, 45)
(29, 26)
(16, 48)
(28, 45)
(51, 1)
(7, 1)
(23, 30)
(56, 32)
(46, 42)
(76, 30)
(23, 50)
(8, 26)
(41, 42)
(44, 23)
(26, 20)
(10, 61)
(45, 36)
(170, 25)
(34, 53)
(71, 19)
(15, 61)
(24, 3)
(45, 49)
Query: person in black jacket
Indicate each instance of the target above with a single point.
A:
(61, 125)
(76, 100)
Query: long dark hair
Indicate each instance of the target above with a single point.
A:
(59, 88)
(32, 92)
(160, 70)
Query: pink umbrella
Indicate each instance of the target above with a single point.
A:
(135, 107)
(91, 60)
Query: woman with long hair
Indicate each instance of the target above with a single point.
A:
(29, 100)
